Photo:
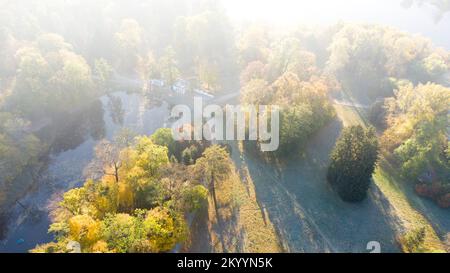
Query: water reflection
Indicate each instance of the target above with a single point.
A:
(69, 131)
(116, 109)
(73, 139)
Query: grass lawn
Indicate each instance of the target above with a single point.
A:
(242, 225)
(264, 207)
(411, 218)
(241, 212)
(307, 214)
(393, 188)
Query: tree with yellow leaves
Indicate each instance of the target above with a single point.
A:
(132, 210)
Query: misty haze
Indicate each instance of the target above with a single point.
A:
(360, 159)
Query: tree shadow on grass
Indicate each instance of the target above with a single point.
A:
(438, 217)
(200, 238)
(210, 234)
(308, 215)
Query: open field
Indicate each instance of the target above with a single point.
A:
(242, 225)
(306, 214)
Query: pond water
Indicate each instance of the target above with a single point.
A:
(72, 150)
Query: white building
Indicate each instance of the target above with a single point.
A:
(180, 87)
(157, 83)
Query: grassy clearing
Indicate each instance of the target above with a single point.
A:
(240, 226)
(349, 115)
(411, 219)
(391, 185)
(259, 231)
(244, 226)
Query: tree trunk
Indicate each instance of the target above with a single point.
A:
(216, 208)
(213, 191)
(116, 173)
(21, 205)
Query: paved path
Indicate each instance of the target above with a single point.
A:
(350, 104)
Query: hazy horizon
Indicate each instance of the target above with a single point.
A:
(417, 19)
(224, 126)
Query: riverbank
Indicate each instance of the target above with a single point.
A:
(72, 151)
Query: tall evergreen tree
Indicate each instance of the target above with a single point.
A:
(353, 162)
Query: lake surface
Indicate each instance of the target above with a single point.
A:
(72, 150)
